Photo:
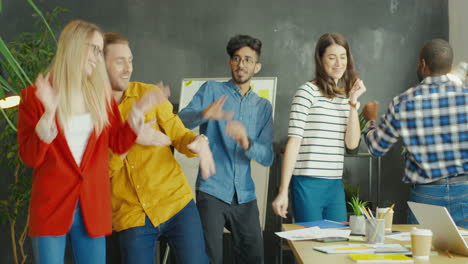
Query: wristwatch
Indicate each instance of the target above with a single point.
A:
(355, 105)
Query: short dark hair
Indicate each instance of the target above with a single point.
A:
(114, 38)
(239, 41)
(438, 55)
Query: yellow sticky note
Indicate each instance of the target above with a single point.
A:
(264, 93)
(188, 83)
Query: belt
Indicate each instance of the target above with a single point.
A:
(450, 180)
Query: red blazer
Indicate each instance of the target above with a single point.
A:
(58, 182)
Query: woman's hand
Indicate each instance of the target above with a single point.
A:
(46, 93)
(280, 204)
(356, 91)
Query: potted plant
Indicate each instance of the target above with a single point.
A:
(20, 61)
(357, 222)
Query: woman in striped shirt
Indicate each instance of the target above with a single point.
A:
(323, 124)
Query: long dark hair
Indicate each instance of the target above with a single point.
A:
(326, 84)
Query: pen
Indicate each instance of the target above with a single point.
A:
(388, 211)
(448, 254)
(346, 248)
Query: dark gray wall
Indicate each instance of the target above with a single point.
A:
(174, 39)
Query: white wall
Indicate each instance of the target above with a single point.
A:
(458, 24)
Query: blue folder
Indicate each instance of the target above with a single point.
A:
(323, 224)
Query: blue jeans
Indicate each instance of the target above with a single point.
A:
(183, 233)
(86, 249)
(316, 199)
(453, 196)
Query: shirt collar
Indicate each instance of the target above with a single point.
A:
(131, 92)
(236, 88)
(435, 79)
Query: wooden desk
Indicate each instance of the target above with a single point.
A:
(304, 252)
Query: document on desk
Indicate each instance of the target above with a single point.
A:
(313, 233)
(386, 249)
(402, 236)
(371, 258)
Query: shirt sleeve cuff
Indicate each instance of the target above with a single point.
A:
(46, 129)
(371, 124)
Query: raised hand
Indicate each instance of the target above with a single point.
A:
(164, 88)
(237, 131)
(201, 147)
(152, 137)
(150, 99)
(357, 90)
(215, 110)
(46, 93)
(280, 205)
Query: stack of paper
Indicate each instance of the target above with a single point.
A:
(313, 233)
(364, 249)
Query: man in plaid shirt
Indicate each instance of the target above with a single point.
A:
(431, 119)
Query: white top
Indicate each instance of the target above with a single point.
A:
(77, 133)
(321, 124)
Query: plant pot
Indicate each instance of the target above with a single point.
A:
(357, 223)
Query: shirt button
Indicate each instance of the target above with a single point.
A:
(138, 186)
(132, 167)
(143, 204)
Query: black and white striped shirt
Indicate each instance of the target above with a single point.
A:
(321, 123)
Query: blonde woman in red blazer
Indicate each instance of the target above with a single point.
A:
(67, 122)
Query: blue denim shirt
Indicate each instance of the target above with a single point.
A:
(232, 161)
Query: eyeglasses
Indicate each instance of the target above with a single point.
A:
(96, 50)
(236, 60)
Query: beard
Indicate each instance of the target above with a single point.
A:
(241, 80)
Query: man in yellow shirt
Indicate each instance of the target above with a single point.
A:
(150, 193)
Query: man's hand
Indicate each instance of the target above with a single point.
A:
(356, 91)
(237, 131)
(152, 137)
(46, 93)
(370, 111)
(164, 88)
(150, 99)
(215, 110)
(207, 165)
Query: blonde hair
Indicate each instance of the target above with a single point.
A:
(68, 75)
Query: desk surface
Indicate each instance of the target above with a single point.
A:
(304, 252)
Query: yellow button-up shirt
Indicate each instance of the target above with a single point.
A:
(149, 181)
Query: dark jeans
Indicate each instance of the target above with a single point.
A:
(243, 222)
(183, 233)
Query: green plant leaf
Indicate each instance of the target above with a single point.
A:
(10, 123)
(13, 63)
(43, 19)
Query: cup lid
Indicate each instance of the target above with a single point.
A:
(421, 232)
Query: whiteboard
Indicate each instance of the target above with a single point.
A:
(265, 87)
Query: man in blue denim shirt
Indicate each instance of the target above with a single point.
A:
(431, 118)
(238, 124)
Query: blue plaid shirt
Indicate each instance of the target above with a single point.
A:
(431, 118)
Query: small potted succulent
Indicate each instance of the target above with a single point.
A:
(357, 222)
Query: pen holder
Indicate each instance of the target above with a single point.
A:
(375, 231)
